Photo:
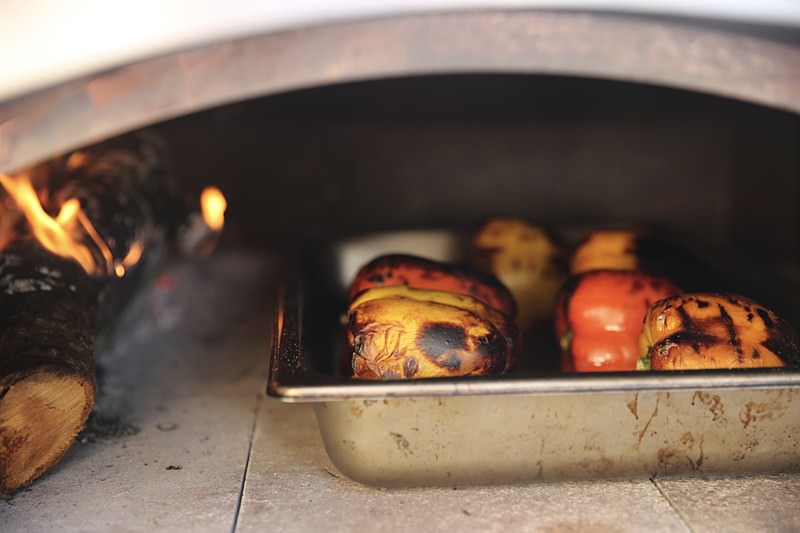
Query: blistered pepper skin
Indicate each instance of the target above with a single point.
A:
(420, 273)
(706, 330)
(599, 318)
(503, 323)
(401, 338)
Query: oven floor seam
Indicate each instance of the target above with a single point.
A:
(246, 469)
(672, 505)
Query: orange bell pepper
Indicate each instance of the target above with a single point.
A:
(599, 318)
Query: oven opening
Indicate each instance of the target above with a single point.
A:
(450, 151)
(291, 174)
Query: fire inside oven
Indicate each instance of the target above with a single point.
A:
(295, 172)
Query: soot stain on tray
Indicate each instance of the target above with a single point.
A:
(755, 411)
(649, 421)
(712, 402)
(402, 443)
(633, 405)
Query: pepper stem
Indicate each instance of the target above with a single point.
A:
(566, 340)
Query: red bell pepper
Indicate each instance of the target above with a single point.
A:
(599, 317)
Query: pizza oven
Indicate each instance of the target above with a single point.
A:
(406, 123)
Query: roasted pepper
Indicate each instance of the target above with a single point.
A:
(419, 273)
(599, 317)
(502, 322)
(706, 330)
(526, 260)
(607, 250)
(402, 338)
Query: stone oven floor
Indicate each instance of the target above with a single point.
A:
(184, 439)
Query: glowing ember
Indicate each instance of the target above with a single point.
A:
(64, 235)
(213, 204)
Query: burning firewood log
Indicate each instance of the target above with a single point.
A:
(80, 234)
(47, 385)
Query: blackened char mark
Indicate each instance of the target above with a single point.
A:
(730, 327)
(688, 323)
(438, 337)
(358, 346)
(438, 341)
(496, 348)
(783, 342)
(694, 338)
(691, 334)
(375, 278)
(451, 361)
(770, 325)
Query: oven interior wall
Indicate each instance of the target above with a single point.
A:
(451, 150)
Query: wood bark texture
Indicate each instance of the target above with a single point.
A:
(47, 383)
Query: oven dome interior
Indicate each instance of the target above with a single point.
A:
(450, 150)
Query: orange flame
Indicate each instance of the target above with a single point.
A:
(64, 234)
(213, 205)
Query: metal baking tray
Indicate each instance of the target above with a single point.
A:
(533, 423)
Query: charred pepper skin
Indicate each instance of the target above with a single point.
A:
(503, 323)
(599, 318)
(419, 273)
(402, 338)
(527, 260)
(710, 330)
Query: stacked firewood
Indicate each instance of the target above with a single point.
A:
(97, 223)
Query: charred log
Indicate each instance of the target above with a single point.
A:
(53, 313)
(47, 384)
